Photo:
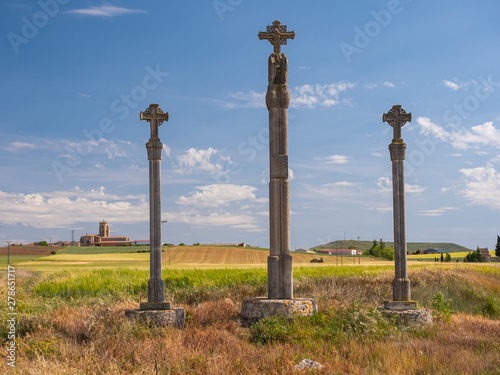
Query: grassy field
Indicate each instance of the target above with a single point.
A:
(72, 322)
(180, 257)
(71, 316)
(411, 246)
(430, 257)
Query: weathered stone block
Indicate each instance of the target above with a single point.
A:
(409, 318)
(254, 309)
(174, 317)
(400, 305)
(155, 306)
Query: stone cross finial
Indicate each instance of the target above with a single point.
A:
(277, 36)
(155, 116)
(397, 118)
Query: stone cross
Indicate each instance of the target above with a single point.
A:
(279, 262)
(156, 285)
(155, 116)
(277, 36)
(397, 117)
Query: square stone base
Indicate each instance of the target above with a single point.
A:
(172, 317)
(400, 305)
(409, 318)
(254, 309)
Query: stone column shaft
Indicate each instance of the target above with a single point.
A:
(279, 263)
(156, 285)
(401, 283)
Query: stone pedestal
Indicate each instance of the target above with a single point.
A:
(254, 309)
(409, 318)
(160, 314)
(156, 311)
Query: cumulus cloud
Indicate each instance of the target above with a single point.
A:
(385, 185)
(482, 185)
(479, 135)
(219, 195)
(104, 11)
(210, 160)
(334, 159)
(60, 209)
(305, 96)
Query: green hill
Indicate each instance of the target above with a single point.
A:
(411, 246)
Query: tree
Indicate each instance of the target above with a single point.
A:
(442, 258)
(42, 243)
(497, 248)
(448, 257)
(474, 256)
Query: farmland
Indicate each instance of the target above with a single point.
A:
(178, 257)
(71, 316)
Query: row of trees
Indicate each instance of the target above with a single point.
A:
(379, 250)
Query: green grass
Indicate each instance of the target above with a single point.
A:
(19, 258)
(411, 246)
(102, 250)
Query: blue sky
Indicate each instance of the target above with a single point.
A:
(76, 74)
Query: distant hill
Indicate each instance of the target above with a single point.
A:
(411, 246)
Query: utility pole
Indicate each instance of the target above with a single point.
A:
(359, 256)
(8, 252)
(163, 222)
(72, 237)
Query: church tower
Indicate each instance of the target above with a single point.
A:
(103, 229)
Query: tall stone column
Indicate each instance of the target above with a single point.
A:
(280, 299)
(156, 285)
(397, 117)
(156, 310)
(279, 262)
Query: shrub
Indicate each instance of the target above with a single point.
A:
(441, 307)
(269, 330)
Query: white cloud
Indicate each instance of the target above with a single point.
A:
(60, 209)
(377, 154)
(334, 159)
(218, 195)
(482, 185)
(16, 146)
(104, 11)
(479, 135)
(305, 96)
(249, 99)
(385, 185)
(290, 174)
(370, 86)
(209, 160)
(389, 84)
(220, 219)
(320, 95)
(436, 212)
(455, 85)
(340, 184)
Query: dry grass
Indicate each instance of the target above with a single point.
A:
(95, 338)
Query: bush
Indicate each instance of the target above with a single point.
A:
(269, 330)
(441, 307)
(474, 256)
(42, 243)
(53, 252)
(380, 251)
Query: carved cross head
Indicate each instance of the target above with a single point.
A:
(397, 118)
(277, 35)
(155, 116)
